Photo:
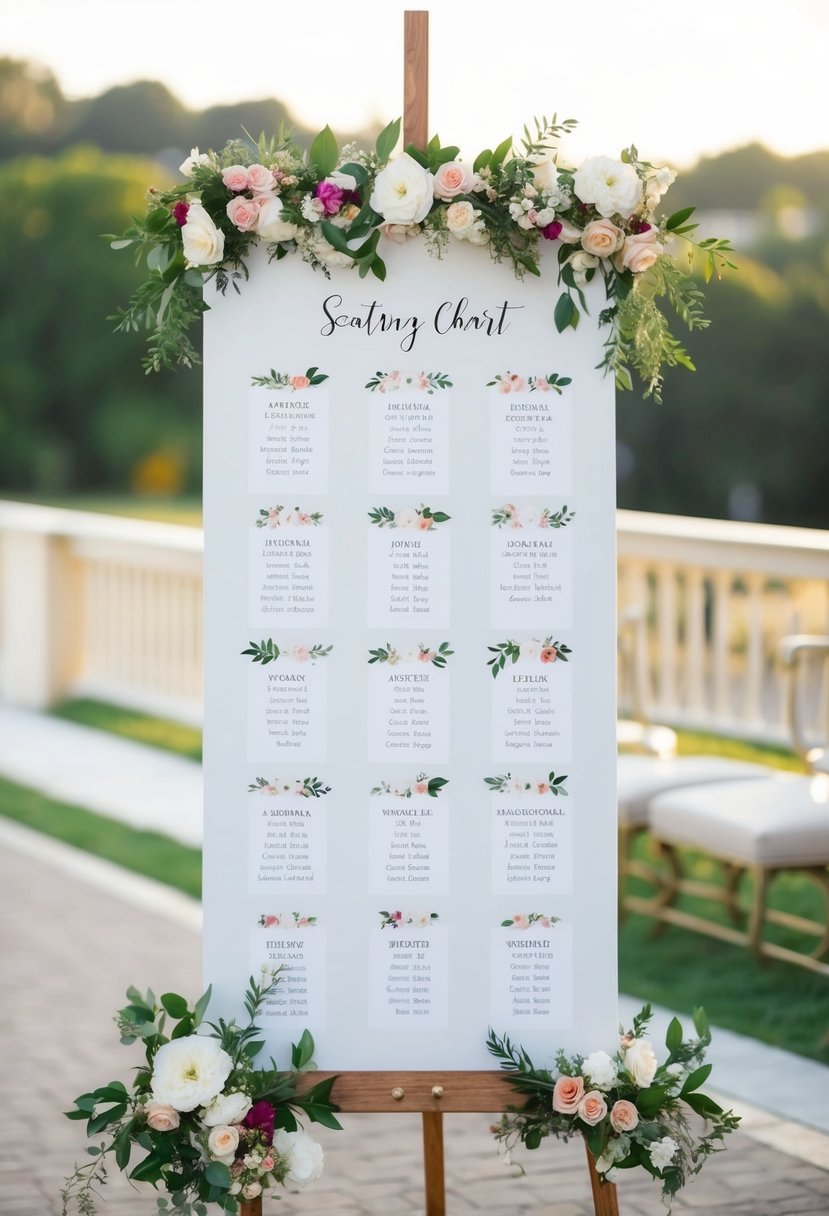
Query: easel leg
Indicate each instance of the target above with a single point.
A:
(433, 1163)
(605, 1199)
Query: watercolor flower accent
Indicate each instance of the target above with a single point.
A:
(509, 382)
(411, 519)
(421, 654)
(422, 786)
(526, 920)
(287, 517)
(289, 920)
(278, 787)
(631, 1110)
(546, 651)
(398, 920)
(552, 381)
(392, 382)
(510, 516)
(507, 784)
(267, 651)
(284, 380)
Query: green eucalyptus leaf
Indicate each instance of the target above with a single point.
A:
(387, 141)
(324, 152)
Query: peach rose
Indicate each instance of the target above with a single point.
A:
(452, 179)
(542, 787)
(421, 787)
(298, 382)
(548, 654)
(592, 1108)
(567, 1094)
(517, 383)
(399, 233)
(521, 921)
(243, 213)
(424, 523)
(602, 238)
(223, 1142)
(260, 180)
(161, 1117)
(235, 177)
(640, 251)
(624, 1116)
(504, 386)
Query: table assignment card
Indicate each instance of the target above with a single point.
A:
(410, 660)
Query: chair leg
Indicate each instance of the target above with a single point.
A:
(670, 885)
(758, 909)
(731, 890)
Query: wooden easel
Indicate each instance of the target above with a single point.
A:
(430, 1094)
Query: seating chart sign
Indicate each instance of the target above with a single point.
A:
(410, 660)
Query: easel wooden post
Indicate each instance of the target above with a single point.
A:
(430, 1094)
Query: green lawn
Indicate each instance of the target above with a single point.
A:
(130, 724)
(148, 853)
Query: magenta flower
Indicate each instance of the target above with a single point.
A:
(330, 195)
(261, 1117)
(180, 213)
(551, 231)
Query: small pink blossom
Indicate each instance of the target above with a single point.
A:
(304, 517)
(261, 181)
(504, 386)
(303, 922)
(421, 787)
(542, 384)
(552, 232)
(521, 921)
(452, 179)
(298, 382)
(330, 195)
(423, 380)
(517, 384)
(424, 523)
(396, 916)
(235, 177)
(426, 656)
(268, 1162)
(542, 788)
(544, 921)
(567, 1094)
(548, 654)
(270, 921)
(300, 653)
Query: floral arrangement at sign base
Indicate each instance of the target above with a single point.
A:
(337, 207)
(631, 1110)
(212, 1127)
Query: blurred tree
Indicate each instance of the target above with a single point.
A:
(139, 117)
(77, 410)
(34, 115)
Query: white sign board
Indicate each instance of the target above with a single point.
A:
(405, 504)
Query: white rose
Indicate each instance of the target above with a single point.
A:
(270, 225)
(204, 244)
(460, 217)
(305, 1157)
(403, 191)
(222, 1143)
(195, 158)
(600, 1069)
(641, 1062)
(327, 254)
(545, 176)
(661, 1152)
(226, 1108)
(581, 262)
(189, 1072)
(252, 1190)
(610, 185)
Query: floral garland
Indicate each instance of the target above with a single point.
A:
(336, 206)
(212, 1127)
(631, 1110)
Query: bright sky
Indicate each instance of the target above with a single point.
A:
(679, 78)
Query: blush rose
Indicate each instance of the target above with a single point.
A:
(567, 1094)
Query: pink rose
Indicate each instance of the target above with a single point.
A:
(268, 1163)
(602, 238)
(504, 386)
(452, 179)
(567, 1095)
(421, 787)
(298, 382)
(260, 180)
(521, 921)
(424, 523)
(548, 654)
(624, 1116)
(542, 384)
(243, 213)
(640, 251)
(300, 653)
(545, 922)
(161, 1117)
(542, 787)
(302, 923)
(269, 921)
(517, 384)
(592, 1108)
(426, 656)
(235, 178)
(423, 380)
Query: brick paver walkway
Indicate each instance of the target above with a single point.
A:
(70, 950)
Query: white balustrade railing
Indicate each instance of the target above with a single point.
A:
(108, 607)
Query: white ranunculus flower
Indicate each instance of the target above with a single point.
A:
(600, 1069)
(195, 158)
(460, 217)
(189, 1072)
(406, 518)
(545, 176)
(658, 184)
(661, 1152)
(204, 244)
(610, 185)
(305, 1157)
(581, 262)
(641, 1062)
(270, 224)
(403, 191)
(226, 1108)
